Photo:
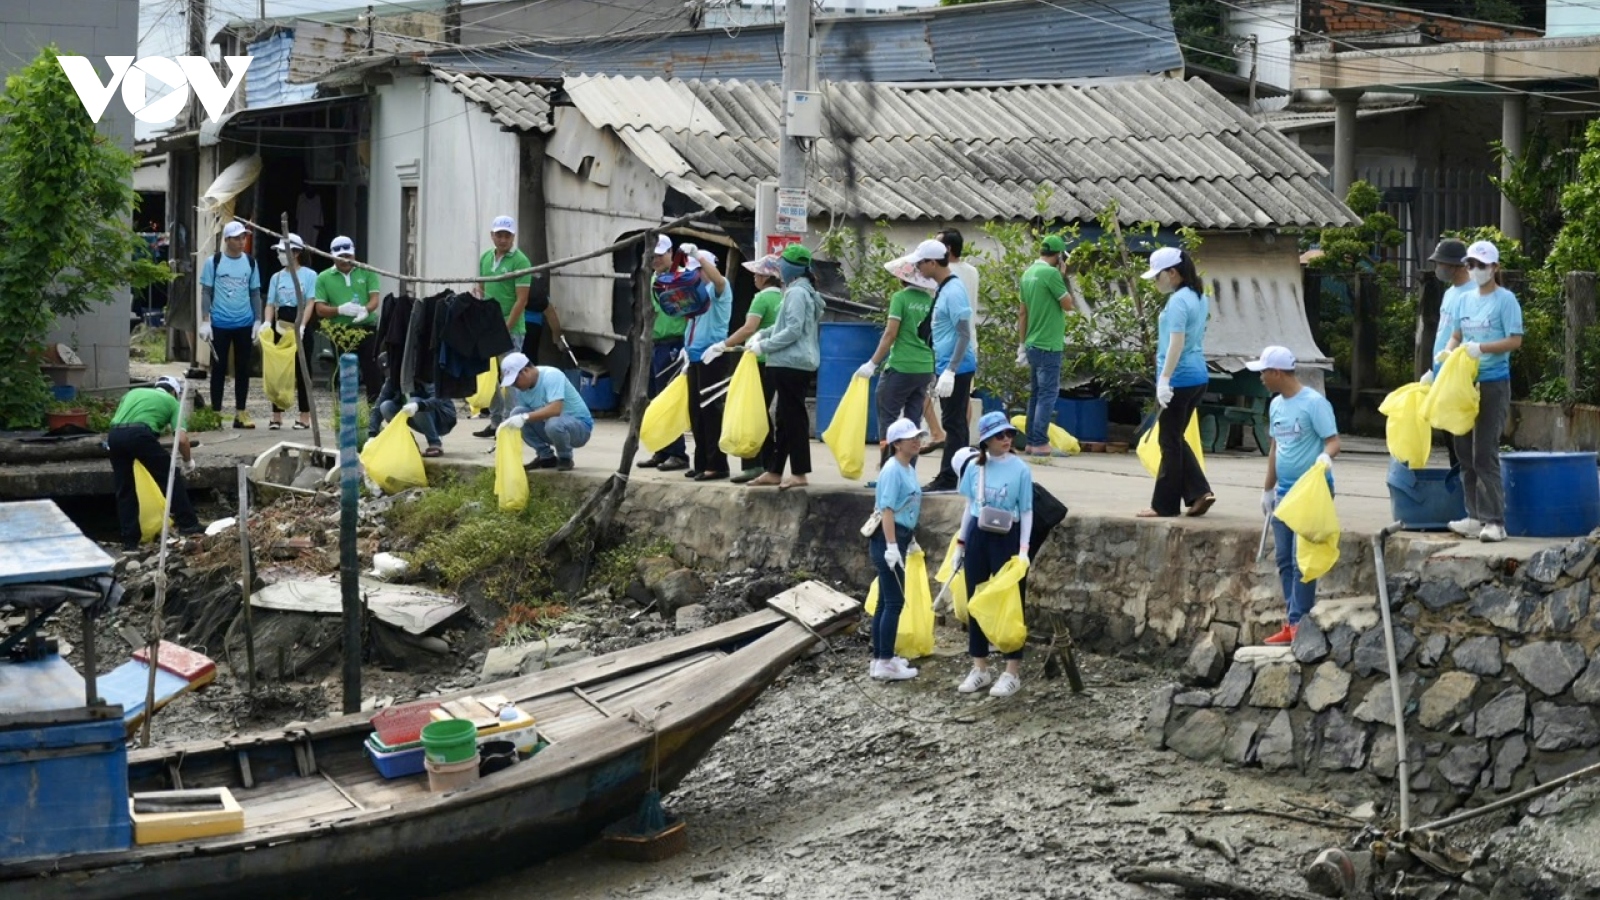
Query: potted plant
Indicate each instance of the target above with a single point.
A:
(62, 413)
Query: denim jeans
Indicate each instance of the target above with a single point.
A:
(891, 592)
(422, 423)
(1298, 595)
(1044, 367)
(557, 436)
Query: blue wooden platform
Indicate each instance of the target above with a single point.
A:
(39, 543)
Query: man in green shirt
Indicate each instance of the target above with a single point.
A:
(906, 348)
(510, 294)
(346, 295)
(1041, 333)
(667, 344)
(136, 427)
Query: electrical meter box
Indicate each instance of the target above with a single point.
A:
(803, 113)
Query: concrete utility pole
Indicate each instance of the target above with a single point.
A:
(197, 47)
(796, 77)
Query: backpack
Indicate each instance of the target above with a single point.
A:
(684, 294)
(1048, 512)
(216, 260)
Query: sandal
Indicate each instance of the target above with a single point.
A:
(1200, 506)
(302, 426)
(1148, 514)
(788, 485)
(433, 451)
(274, 425)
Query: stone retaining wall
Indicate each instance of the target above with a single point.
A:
(1499, 679)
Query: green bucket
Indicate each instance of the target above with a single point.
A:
(450, 741)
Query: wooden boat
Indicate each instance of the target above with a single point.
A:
(321, 822)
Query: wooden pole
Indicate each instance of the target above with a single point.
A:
(349, 571)
(247, 573)
(1578, 289)
(302, 320)
(161, 571)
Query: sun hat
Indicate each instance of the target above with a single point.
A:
(1450, 252)
(1053, 243)
(512, 367)
(1279, 358)
(766, 265)
(960, 458)
(798, 254)
(663, 245)
(905, 269)
(171, 382)
(1162, 260)
(991, 424)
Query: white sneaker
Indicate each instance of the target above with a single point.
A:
(875, 671)
(896, 670)
(1467, 528)
(1492, 533)
(1007, 685)
(977, 680)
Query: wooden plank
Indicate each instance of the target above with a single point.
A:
(814, 604)
(316, 798)
(592, 702)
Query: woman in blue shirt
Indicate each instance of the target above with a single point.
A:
(1001, 481)
(1489, 324)
(706, 329)
(899, 500)
(1181, 381)
(283, 305)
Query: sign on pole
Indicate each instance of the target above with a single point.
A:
(791, 218)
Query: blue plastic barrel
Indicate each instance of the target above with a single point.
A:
(597, 393)
(1550, 494)
(1425, 499)
(845, 346)
(1086, 419)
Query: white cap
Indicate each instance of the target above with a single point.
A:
(232, 229)
(930, 250)
(503, 223)
(663, 245)
(902, 429)
(342, 246)
(1484, 252)
(1162, 260)
(291, 242)
(172, 383)
(511, 367)
(1279, 358)
(960, 458)
(905, 269)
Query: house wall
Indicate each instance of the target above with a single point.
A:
(1273, 24)
(1345, 18)
(398, 138)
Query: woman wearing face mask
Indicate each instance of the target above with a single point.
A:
(283, 304)
(999, 482)
(1180, 382)
(1489, 324)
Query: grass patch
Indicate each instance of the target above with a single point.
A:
(527, 622)
(617, 567)
(204, 419)
(149, 345)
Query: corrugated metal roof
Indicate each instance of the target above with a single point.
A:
(267, 82)
(1004, 40)
(521, 105)
(1164, 150)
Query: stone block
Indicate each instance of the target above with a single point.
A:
(1343, 745)
(1545, 566)
(1310, 643)
(1206, 662)
(692, 617)
(1446, 700)
(1437, 595)
(1587, 688)
(1378, 705)
(1569, 606)
(1200, 736)
(1330, 685)
(1263, 655)
(1550, 666)
(1342, 644)
(1198, 699)
(1402, 584)
(525, 659)
(1155, 722)
(1506, 713)
(1235, 685)
(1508, 759)
(1462, 765)
(1432, 650)
(1277, 686)
(1549, 769)
(1501, 606)
(1564, 727)
(1241, 740)
(1359, 613)
(1371, 653)
(1580, 558)
(1226, 634)
(680, 587)
(1276, 750)
(1478, 655)
(1383, 759)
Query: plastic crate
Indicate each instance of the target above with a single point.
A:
(397, 763)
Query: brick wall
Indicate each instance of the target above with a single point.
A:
(1344, 18)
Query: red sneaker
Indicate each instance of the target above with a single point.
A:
(1286, 636)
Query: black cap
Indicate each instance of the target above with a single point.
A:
(1450, 252)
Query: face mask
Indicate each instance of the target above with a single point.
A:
(791, 271)
(1482, 276)
(1445, 274)
(283, 258)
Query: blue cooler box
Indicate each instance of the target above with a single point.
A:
(1425, 499)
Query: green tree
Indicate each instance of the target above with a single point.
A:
(66, 235)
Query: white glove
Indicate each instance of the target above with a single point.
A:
(706, 258)
(1022, 354)
(753, 346)
(1326, 460)
(410, 409)
(255, 332)
(867, 369)
(188, 466)
(1269, 502)
(946, 385)
(1441, 356)
(892, 557)
(352, 309)
(714, 351)
(365, 315)
(205, 331)
(1023, 555)
(1474, 349)
(515, 422)
(1164, 391)
(682, 361)
(957, 556)
(1427, 377)
(690, 250)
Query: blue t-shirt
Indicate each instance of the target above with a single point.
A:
(280, 290)
(1008, 485)
(231, 283)
(553, 385)
(952, 309)
(1449, 316)
(1300, 425)
(898, 490)
(712, 325)
(1187, 312)
(1490, 317)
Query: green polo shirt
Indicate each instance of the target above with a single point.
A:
(668, 327)
(765, 304)
(910, 354)
(148, 406)
(505, 292)
(336, 289)
(1042, 287)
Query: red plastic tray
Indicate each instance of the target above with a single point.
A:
(399, 725)
(180, 661)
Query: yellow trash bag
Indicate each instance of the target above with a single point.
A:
(956, 580)
(998, 607)
(1452, 403)
(152, 502)
(488, 383)
(1407, 432)
(1149, 448)
(1060, 439)
(667, 416)
(913, 637)
(510, 479)
(847, 433)
(392, 459)
(278, 364)
(744, 419)
(1309, 512)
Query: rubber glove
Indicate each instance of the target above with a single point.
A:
(1022, 354)
(707, 258)
(1326, 460)
(1023, 555)
(713, 352)
(188, 466)
(410, 409)
(352, 309)
(960, 554)
(255, 332)
(683, 358)
(515, 422)
(1441, 356)
(946, 385)
(753, 346)
(1427, 377)
(1269, 502)
(1474, 349)
(892, 557)
(205, 331)
(1164, 391)
(867, 369)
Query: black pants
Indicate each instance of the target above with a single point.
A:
(530, 340)
(1179, 479)
(953, 413)
(291, 315)
(768, 391)
(987, 554)
(791, 425)
(706, 423)
(137, 442)
(234, 342)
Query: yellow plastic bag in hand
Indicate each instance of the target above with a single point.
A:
(1309, 512)
(488, 383)
(956, 580)
(1149, 448)
(510, 479)
(392, 459)
(1452, 403)
(913, 636)
(1060, 439)
(744, 418)
(667, 416)
(1315, 558)
(998, 607)
(1407, 432)
(152, 502)
(847, 433)
(277, 365)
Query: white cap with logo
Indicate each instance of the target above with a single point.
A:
(1162, 260)
(930, 250)
(903, 429)
(1484, 252)
(342, 246)
(503, 223)
(663, 245)
(1279, 358)
(511, 367)
(291, 242)
(233, 229)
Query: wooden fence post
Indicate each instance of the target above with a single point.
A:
(1578, 290)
